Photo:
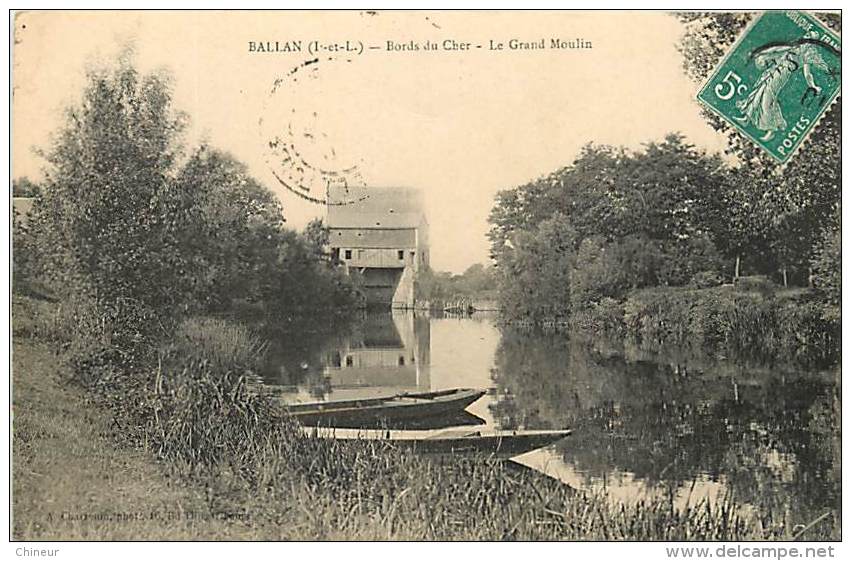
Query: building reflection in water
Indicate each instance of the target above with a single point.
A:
(387, 354)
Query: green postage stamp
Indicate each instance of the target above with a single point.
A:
(778, 79)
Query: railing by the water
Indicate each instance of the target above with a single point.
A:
(463, 306)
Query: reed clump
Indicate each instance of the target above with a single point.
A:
(226, 344)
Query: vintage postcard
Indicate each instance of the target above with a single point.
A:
(427, 276)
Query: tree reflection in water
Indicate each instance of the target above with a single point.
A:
(650, 421)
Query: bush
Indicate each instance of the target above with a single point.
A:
(653, 315)
(745, 325)
(228, 346)
(706, 279)
(200, 414)
(607, 269)
(605, 316)
(759, 284)
(33, 318)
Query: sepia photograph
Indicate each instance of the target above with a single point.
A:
(426, 275)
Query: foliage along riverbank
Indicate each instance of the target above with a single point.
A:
(743, 325)
(643, 253)
(624, 239)
(72, 481)
(640, 244)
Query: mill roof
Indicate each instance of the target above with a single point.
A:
(375, 207)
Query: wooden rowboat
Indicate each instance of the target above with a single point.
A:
(503, 443)
(374, 411)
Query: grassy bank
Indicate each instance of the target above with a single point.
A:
(189, 419)
(70, 479)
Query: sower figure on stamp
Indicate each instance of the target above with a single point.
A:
(779, 64)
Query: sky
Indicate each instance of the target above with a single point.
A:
(460, 125)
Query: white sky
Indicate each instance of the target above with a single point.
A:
(459, 125)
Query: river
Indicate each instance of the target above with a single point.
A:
(646, 422)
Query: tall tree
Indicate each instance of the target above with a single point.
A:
(101, 211)
(124, 219)
(228, 228)
(317, 237)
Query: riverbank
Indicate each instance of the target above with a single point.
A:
(196, 428)
(762, 324)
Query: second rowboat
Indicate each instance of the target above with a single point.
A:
(501, 443)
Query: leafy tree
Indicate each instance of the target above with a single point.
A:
(228, 228)
(682, 260)
(515, 210)
(595, 275)
(122, 220)
(534, 273)
(631, 220)
(475, 280)
(608, 270)
(740, 227)
(101, 216)
(297, 285)
(432, 286)
(317, 236)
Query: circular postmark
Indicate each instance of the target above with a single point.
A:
(303, 129)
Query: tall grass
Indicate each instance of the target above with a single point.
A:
(227, 345)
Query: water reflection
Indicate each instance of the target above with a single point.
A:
(684, 426)
(381, 357)
(647, 421)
